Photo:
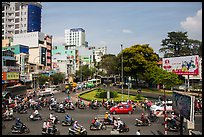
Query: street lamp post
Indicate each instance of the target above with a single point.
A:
(165, 114)
(35, 75)
(122, 69)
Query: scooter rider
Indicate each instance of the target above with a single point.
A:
(18, 123)
(120, 124)
(108, 117)
(10, 112)
(96, 122)
(143, 118)
(76, 126)
(173, 120)
(68, 118)
(52, 117)
(35, 113)
(61, 106)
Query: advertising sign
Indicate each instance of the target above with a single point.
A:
(12, 75)
(184, 105)
(3, 76)
(187, 65)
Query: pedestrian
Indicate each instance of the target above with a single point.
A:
(138, 132)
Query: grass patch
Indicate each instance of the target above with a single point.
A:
(91, 96)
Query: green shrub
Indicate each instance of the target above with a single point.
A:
(138, 97)
(103, 94)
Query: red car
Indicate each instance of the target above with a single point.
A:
(122, 108)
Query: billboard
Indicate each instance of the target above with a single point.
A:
(187, 65)
(184, 105)
(12, 75)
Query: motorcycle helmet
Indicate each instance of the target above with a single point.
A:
(95, 118)
(118, 118)
(106, 112)
(76, 122)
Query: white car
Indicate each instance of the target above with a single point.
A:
(159, 106)
(44, 93)
(47, 92)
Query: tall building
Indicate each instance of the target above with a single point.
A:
(75, 38)
(40, 48)
(20, 17)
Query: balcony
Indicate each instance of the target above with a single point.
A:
(10, 69)
(10, 11)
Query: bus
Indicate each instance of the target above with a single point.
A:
(15, 90)
(93, 82)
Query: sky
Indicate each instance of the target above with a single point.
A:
(128, 23)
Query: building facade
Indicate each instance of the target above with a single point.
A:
(20, 17)
(75, 38)
(10, 69)
(40, 46)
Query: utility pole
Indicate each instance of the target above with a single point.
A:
(122, 69)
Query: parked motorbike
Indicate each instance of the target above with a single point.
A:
(35, 118)
(102, 126)
(51, 131)
(24, 129)
(81, 131)
(140, 123)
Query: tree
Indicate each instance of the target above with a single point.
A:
(42, 79)
(136, 60)
(57, 78)
(159, 76)
(85, 72)
(109, 62)
(177, 44)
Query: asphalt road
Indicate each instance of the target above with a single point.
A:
(84, 117)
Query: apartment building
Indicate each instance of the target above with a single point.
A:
(75, 38)
(20, 17)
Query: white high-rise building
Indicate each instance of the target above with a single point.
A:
(20, 17)
(75, 38)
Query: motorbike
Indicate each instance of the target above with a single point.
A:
(56, 120)
(81, 131)
(140, 123)
(69, 107)
(35, 118)
(102, 126)
(123, 128)
(108, 122)
(53, 131)
(60, 110)
(52, 107)
(23, 111)
(67, 123)
(24, 129)
(153, 118)
(8, 118)
(81, 106)
(175, 128)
